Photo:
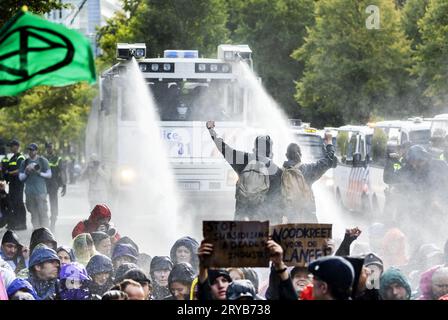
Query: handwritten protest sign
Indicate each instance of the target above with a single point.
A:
(237, 243)
(302, 243)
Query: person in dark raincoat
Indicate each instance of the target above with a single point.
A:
(139, 276)
(124, 253)
(100, 269)
(179, 281)
(269, 208)
(44, 271)
(44, 236)
(102, 243)
(160, 270)
(185, 250)
(121, 271)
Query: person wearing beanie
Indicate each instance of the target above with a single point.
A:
(102, 243)
(394, 285)
(180, 280)
(100, 269)
(12, 251)
(139, 276)
(333, 278)
(160, 270)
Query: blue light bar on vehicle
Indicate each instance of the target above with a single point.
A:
(181, 54)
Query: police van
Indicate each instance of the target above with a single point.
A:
(362, 151)
(188, 90)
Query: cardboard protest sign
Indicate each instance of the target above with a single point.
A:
(302, 243)
(237, 243)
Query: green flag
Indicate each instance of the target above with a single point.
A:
(34, 51)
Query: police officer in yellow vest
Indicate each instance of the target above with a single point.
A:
(58, 180)
(17, 219)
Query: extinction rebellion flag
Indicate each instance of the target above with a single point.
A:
(34, 51)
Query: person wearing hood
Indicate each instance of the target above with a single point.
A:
(333, 278)
(121, 271)
(12, 251)
(124, 253)
(99, 220)
(394, 285)
(83, 248)
(179, 281)
(100, 269)
(44, 236)
(140, 277)
(43, 272)
(65, 254)
(257, 198)
(74, 282)
(362, 287)
(128, 240)
(394, 249)
(102, 243)
(185, 250)
(160, 270)
(20, 289)
(298, 178)
(241, 290)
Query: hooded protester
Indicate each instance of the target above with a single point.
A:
(361, 289)
(65, 254)
(21, 289)
(258, 189)
(179, 281)
(439, 283)
(236, 273)
(100, 269)
(216, 285)
(45, 236)
(252, 275)
(83, 248)
(74, 282)
(241, 290)
(427, 256)
(128, 240)
(394, 285)
(185, 250)
(139, 276)
(375, 267)
(44, 270)
(298, 178)
(121, 271)
(11, 251)
(124, 253)
(394, 249)
(333, 278)
(102, 243)
(160, 270)
(99, 220)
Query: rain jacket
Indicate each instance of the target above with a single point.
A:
(426, 283)
(99, 212)
(280, 289)
(45, 289)
(183, 273)
(69, 251)
(100, 264)
(22, 285)
(17, 262)
(83, 248)
(74, 272)
(192, 245)
(159, 263)
(42, 235)
(393, 275)
(125, 249)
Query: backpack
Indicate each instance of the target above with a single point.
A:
(253, 183)
(296, 193)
